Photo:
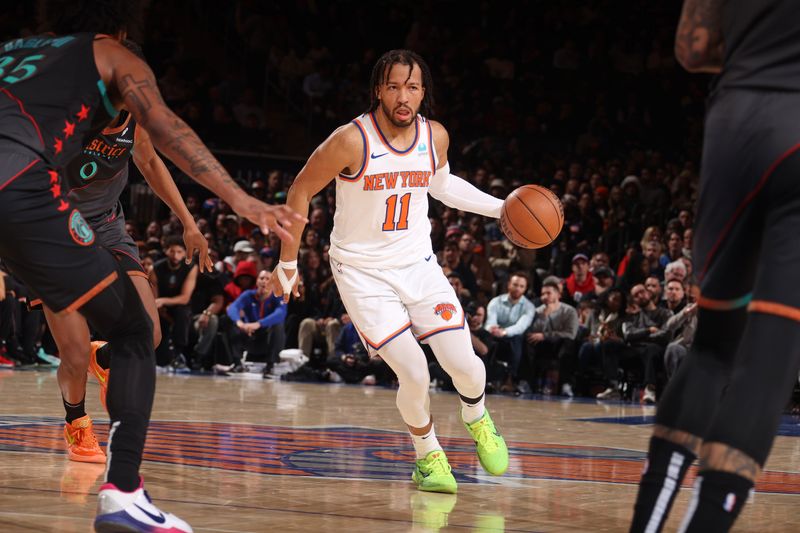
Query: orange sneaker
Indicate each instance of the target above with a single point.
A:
(82, 445)
(99, 373)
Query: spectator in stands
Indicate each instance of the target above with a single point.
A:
(11, 352)
(686, 219)
(318, 220)
(147, 263)
(463, 294)
(599, 259)
(676, 270)
(690, 278)
(274, 186)
(634, 209)
(350, 361)
(635, 273)
(688, 236)
(603, 280)
(175, 282)
(507, 318)
(682, 325)
(653, 284)
(208, 301)
(552, 335)
(153, 230)
(322, 327)
(476, 226)
(241, 251)
(244, 278)
(133, 231)
(674, 248)
(675, 296)
(479, 265)
(451, 262)
(310, 241)
(580, 282)
(316, 276)
(482, 341)
(258, 316)
(604, 330)
(652, 253)
(590, 221)
(645, 339)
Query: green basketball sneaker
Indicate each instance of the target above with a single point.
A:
(492, 450)
(433, 474)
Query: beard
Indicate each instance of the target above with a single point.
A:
(388, 113)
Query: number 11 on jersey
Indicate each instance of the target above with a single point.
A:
(391, 207)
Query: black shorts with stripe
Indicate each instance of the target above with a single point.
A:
(47, 244)
(109, 228)
(747, 232)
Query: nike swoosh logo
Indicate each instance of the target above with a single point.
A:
(159, 518)
(428, 258)
(373, 156)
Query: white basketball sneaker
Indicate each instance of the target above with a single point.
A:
(133, 512)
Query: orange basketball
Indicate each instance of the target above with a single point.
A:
(532, 217)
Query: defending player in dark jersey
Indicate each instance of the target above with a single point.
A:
(725, 402)
(56, 92)
(96, 178)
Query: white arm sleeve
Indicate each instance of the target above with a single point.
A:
(455, 192)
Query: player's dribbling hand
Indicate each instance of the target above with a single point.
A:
(270, 217)
(196, 243)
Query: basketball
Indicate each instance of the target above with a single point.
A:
(532, 217)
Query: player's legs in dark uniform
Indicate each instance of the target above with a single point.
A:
(55, 253)
(78, 355)
(725, 402)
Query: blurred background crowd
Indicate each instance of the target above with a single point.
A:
(584, 97)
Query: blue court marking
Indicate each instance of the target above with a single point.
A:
(789, 427)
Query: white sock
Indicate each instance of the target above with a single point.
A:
(473, 412)
(425, 444)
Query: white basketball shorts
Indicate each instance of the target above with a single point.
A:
(383, 303)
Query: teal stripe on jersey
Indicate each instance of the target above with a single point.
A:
(110, 109)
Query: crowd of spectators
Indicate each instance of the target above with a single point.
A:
(582, 97)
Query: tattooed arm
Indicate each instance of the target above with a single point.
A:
(132, 86)
(699, 45)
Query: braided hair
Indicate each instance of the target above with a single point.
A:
(380, 75)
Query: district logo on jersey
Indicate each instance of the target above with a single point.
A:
(79, 229)
(446, 311)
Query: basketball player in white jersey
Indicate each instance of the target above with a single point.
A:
(385, 163)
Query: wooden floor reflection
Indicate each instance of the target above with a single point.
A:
(246, 455)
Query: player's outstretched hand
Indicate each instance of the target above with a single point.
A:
(196, 243)
(285, 285)
(268, 218)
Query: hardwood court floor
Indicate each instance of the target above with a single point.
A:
(234, 455)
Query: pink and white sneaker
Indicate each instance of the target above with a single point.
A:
(133, 512)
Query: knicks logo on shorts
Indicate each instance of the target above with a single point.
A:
(79, 229)
(446, 311)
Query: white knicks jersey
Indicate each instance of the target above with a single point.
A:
(381, 218)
